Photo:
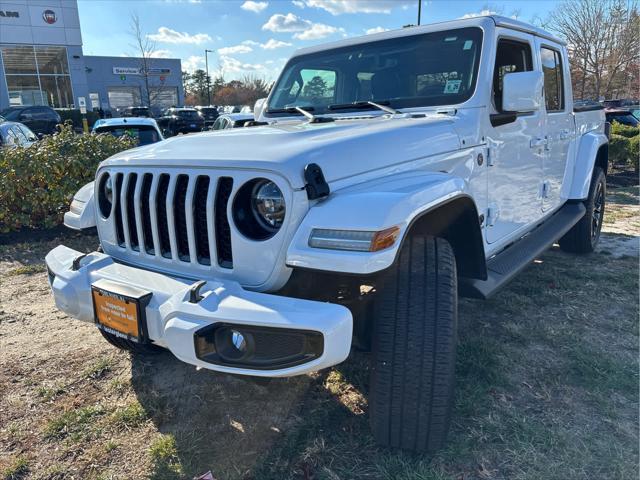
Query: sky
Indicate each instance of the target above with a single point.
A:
(257, 36)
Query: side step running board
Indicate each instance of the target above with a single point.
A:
(508, 263)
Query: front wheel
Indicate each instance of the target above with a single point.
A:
(414, 347)
(584, 235)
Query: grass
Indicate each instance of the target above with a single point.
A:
(547, 388)
(18, 469)
(164, 456)
(27, 270)
(131, 416)
(49, 393)
(76, 424)
(99, 368)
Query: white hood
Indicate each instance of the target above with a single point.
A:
(343, 148)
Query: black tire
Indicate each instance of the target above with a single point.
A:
(129, 346)
(584, 236)
(414, 347)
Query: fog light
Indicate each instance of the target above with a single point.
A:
(262, 348)
(353, 240)
(238, 341)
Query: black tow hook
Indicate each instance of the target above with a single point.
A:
(194, 293)
(75, 266)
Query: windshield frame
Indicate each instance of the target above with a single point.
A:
(407, 103)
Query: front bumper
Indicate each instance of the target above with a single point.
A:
(172, 320)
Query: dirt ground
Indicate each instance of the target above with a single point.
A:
(547, 387)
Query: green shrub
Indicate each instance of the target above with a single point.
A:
(618, 149)
(634, 152)
(624, 130)
(37, 183)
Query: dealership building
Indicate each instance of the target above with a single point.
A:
(42, 63)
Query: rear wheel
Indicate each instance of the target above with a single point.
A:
(414, 347)
(584, 236)
(133, 347)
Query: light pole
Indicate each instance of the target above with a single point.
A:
(419, 10)
(206, 62)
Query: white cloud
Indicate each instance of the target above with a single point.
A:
(250, 42)
(338, 7)
(194, 62)
(167, 35)
(317, 31)
(303, 29)
(161, 54)
(235, 49)
(298, 3)
(255, 7)
(369, 31)
(482, 13)
(286, 23)
(230, 64)
(272, 44)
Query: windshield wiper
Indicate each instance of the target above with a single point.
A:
(293, 110)
(306, 111)
(380, 105)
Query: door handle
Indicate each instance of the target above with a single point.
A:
(538, 142)
(564, 134)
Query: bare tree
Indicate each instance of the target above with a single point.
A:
(146, 51)
(602, 42)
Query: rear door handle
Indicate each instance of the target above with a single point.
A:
(538, 142)
(564, 134)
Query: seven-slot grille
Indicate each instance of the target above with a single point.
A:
(177, 216)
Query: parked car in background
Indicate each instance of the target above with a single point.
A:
(246, 109)
(136, 112)
(209, 115)
(144, 130)
(42, 120)
(623, 116)
(177, 120)
(635, 111)
(232, 120)
(15, 134)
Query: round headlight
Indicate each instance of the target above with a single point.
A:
(268, 205)
(259, 209)
(105, 195)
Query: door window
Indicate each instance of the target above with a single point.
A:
(553, 81)
(512, 56)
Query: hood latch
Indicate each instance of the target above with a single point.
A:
(316, 186)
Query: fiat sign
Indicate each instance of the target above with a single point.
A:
(49, 16)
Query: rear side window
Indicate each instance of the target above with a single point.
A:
(552, 70)
(512, 56)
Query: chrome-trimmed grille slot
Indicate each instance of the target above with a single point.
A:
(223, 229)
(118, 210)
(181, 217)
(161, 212)
(131, 214)
(147, 231)
(200, 220)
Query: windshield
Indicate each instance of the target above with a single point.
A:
(625, 119)
(143, 134)
(187, 113)
(10, 114)
(419, 70)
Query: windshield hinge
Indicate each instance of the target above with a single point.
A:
(316, 186)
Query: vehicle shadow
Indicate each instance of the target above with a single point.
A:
(220, 422)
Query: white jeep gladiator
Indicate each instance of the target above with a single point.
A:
(390, 173)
